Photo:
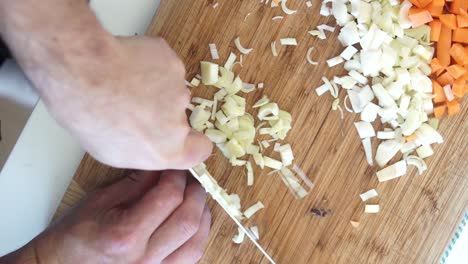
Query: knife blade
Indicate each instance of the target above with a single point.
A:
(239, 224)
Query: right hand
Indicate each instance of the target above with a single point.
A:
(157, 217)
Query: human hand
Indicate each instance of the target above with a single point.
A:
(158, 217)
(124, 99)
(128, 107)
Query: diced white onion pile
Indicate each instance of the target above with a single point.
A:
(388, 68)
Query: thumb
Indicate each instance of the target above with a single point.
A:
(197, 148)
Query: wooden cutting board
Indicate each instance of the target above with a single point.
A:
(418, 212)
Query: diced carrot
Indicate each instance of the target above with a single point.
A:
(424, 3)
(435, 64)
(436, 7)
(439, 72)
(458, 53)
(458, 5)
(462, 20)
(460, 35)
(443, 46)
(466, 55)
(438, 92)
(416, 3)
(410, 137)
(419, 17)
(458, 88)
(449, 20)
(435, 29)
(453, 107)
(445, 79)
(439, 110)
(456, 71)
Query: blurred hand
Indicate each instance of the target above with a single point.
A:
(150, 218)
(126, 104)
(123, 98)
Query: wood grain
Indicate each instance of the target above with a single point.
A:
(419, 213)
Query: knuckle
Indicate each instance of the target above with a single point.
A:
(174, 196)
(188, 225)
(197, 253)
(120, 239)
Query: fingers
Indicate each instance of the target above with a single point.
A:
(193, 250)
(197, 148)
(159, 202)
(127, 189)
(182, 225)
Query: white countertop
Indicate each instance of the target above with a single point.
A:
(45, 157)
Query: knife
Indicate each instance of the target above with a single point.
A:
(238, 223)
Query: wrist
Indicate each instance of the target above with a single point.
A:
(47, 39)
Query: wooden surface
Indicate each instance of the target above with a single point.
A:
(418, 213)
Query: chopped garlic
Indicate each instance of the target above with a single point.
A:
(214, 51)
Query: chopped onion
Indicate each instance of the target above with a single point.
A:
(258, 158)
(245, 18)
(277, 18)
(346, 105)
(366, 143)
(209, 72)
(286, 9)
(265, 143)
(261, 102)
(334, 61)
(272, 163)
(448, 93)
(230, 61)
(358, 77)
(292, 183)
(369, 113)
(254, 230)
(253, 209)
(248, 87)
(309, 4)
(250, 175)
(386, 134)
(309, 56)
(349, 52)
(195, 82)
(288, 42)
(216, 136)
(215, 5)
(236, 162)
(199, 100)
(319, 33)
(386, 151)
(268, 109)
(365, 129)
(303, 176)
(372, 208)
(425, 151)
(241, 48)
(214, 51)
(368, 195)
(273, 49)
(239, 237)
(417, 162)
(286, 154)
(393, 171)
(260, 85)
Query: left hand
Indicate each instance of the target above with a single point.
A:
(158, 217)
